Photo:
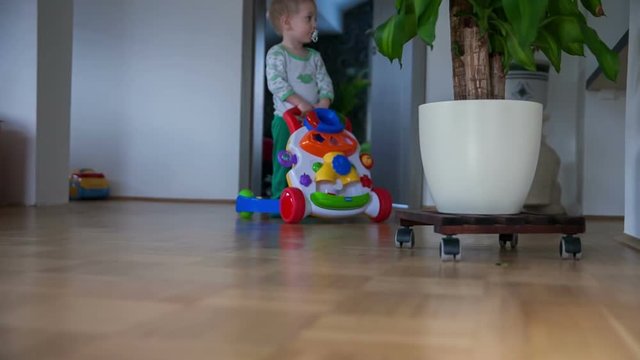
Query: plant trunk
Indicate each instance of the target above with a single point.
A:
(457, 46)
(477, 74)
(498, 78)
(477, 69)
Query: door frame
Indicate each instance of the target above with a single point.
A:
(252, 95)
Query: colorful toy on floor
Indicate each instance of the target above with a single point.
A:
(88, 184)
(329, 176)
(247, 204)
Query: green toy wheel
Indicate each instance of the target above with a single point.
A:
(247, 194)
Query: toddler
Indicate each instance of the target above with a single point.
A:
(296, 75)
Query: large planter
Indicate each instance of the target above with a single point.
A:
(480, 156)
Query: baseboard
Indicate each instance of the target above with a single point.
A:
(172, 200)
(629, 241)
(604, 217)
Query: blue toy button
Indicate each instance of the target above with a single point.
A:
(341, 165)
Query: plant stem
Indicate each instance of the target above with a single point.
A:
(477, 74)
(457, 46)
(476, 64)
(497, 77)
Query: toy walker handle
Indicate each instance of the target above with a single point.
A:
(293, 123)
(291, 119)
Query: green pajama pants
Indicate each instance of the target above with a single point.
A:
(280, 134)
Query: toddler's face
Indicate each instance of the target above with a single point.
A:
(303, 23)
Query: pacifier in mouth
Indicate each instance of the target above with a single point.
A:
(314, 36)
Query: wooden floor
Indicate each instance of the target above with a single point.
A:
(135, 280)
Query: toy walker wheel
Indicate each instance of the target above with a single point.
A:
(292, 205)
(384, 210)
(246, 193)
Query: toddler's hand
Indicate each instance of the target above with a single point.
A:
(323, 104)
(305, 107)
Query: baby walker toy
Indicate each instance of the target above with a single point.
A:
(329, 176)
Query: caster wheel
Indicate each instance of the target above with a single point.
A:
(570, 247)
(512, 239)
(450, 249)
(405, 236)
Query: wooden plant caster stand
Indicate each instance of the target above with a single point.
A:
(506, 226)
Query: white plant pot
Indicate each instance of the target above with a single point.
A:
(480, 156)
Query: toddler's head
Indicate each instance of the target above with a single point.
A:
(280, 9)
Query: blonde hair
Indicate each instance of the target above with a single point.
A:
(280, 8)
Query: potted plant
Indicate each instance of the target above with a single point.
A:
(479, 155)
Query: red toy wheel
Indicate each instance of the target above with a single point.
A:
(385, 205)
(292, 205)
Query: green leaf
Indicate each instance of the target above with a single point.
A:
(499, 46)
(607, 58)
(567, 30)
(550, 47)
(594, 7)
(406, 7)
(391, 36)
(563, 7)
(480, 4)
(525, 17)
(522, 55)
(481, 12)
(427, 16)
(399, 4)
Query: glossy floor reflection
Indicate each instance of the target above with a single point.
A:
(144, 280)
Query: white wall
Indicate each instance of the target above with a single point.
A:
(156, 95)
(610, 27)
(18, 79)
(604, 114)
(632, 143)
(565, 103)
(604, 118)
